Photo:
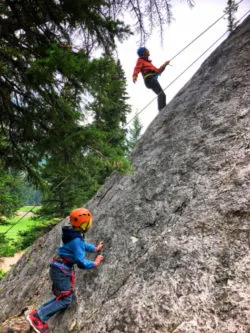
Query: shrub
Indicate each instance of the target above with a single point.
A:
(2, 274)
(7, 249)
(3, 220)
(28, 237)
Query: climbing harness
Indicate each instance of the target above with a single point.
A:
(65, 261)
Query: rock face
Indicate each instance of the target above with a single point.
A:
(176, 230)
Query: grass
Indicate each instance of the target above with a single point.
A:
(19, 232)
(19, 223)
(15, 226)
(28, 208)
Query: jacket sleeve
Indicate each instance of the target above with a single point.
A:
(79, 254)
(138, 67)
(89, 247)
(161, 69)
(156, 69)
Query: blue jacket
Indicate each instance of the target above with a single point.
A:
(74, 248)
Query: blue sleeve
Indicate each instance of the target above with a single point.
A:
(77, 247)
(89, 247)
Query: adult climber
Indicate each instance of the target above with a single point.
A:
(70, 253)
(150, 75)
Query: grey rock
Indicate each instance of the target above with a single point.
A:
(176, 230)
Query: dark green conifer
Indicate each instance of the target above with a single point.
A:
(230, 10)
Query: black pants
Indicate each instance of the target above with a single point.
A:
(152, 83)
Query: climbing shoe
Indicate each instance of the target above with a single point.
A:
(36, 323)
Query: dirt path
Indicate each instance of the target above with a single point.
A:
(6, 262)
(27, 214)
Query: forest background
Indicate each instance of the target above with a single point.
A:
(63, 111)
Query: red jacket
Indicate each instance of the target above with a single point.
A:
(146, 68)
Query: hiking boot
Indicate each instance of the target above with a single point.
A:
(36, 323)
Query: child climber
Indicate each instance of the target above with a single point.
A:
(62, 267)
(150, 75)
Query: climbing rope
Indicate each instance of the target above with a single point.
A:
(29, 211)
(13, 225)
(202, 33)
(187, 68)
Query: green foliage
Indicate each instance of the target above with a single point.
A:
(43, 78)
(33, 209)
(16, 224)
(230, 10)
(15, 191)
(79, 180)
(2, 274)
(38, 64)
(90, 153)
(39, 61)
(27, 237)
(134, 132)
(110, 97)
(7, 249)
(3, 220)
(24, 232)
(31, 196)
(10, 191)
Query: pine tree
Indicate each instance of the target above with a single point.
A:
(92, 151)
(37, 61)
(10, 191)
(110, 106)
(134, 132)
(43, 76)
(231, 9)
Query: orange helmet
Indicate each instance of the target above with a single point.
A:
(81, 218)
